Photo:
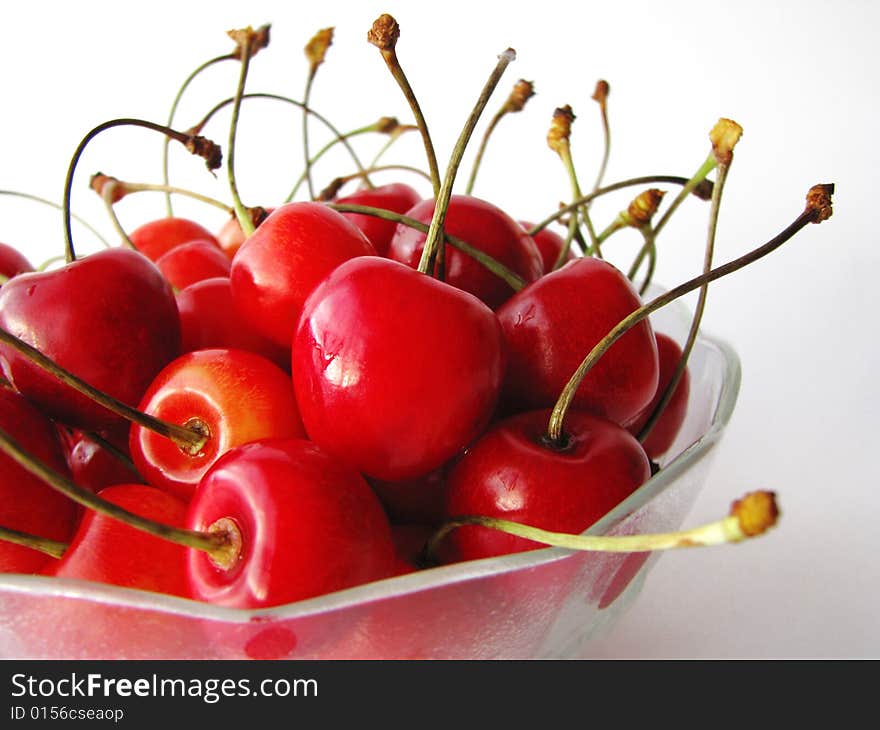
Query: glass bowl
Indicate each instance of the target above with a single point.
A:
(546, 603)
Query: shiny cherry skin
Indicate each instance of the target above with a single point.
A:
(395, 197)
(663, 432)
(511, 473)
(106, 550)
(193, 261)
(156, 237)
(91, 465)
(484, 226)
(395, 372)
(12, 262)
(109, 318)
(307, 526)
(277, 267)
(26, 502)
(209, 319)
(549, 244)
(551, 325)
(238, 396)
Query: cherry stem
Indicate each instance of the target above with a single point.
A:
(492, 264)
(601, 97)
(44, 201)
(306, 174)
(681, 365)
(435, 236)
(336, 184)
(107, 192)
(699, 191)
(478, 159)
(174, 104)
(42, 544)
(293, 102)
(750, 516)
(700, 175)
(818, 209)
(305, 132)
(211, 542)
(196, 144)
(383, 35)
(189, 440)
(650, 237)
(392, 138)
(114, 451)
(241, 212)
(584, 213)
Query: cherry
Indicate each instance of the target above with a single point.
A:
(109, 318)
(107, 550)
(659, 439)
(284, 259)
(554, 322)
(302, 523)
(395, 372)
(419, 500)
(193, 261)
(482, 225)
(26, 502)
(513, 473)
(92, 465)
(209, 319)
(12, 262)
(231, 236)
(549, 244)
(232, 396)
(161, 235)
(395, 197)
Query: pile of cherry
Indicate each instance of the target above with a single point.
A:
(315, 403)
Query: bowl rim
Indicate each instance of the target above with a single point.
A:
(395, 587)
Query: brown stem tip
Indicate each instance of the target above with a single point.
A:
(522, 91)
(210, 151)
(248, 37)
(388, 125)
(643, 207)
(102, 184)
(384, 33)
(600, 93)
(724, 136)
(819, 201)
(316, 48)
(756, 512)
(560, 128)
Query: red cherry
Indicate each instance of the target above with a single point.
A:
(237, 396)
(511, 473)
(231, 236)
(482, 225)
(420, 500)
(549, 245)
(550, 327)
(209, 319)
(285, 258)
(109, 318)
(28, 504)
(12, 262)
(395, 197)
(106, 550)
(409, 540)
(395, 371)
(305, 524)
(193, 261)
(91, 465)
(664, 431)
(161, 235)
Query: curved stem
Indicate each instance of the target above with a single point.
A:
(44, 201)
(209, 542)
(817, 210)
(435, 232)
(133, 187)
(187, 439)
(174, 104)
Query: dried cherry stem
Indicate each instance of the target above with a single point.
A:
(379, 126)
(749, 516)
(57, 206)
(287, 100)
(210, 542)
(703, 191)
(53, 548)
(434, 242)
(315, 50)
(190, 440)
(492, 264)
(522, 91)
(195, 143)
(384, 34)
(818, 209)
(724, 137)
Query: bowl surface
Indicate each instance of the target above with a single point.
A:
(546, 603)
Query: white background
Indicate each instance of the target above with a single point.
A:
(800, 77)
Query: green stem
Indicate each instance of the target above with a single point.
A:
(44, 201)
(686, 190)
(42, 544)
(241, 212)
(478, 159)
(435, 236)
